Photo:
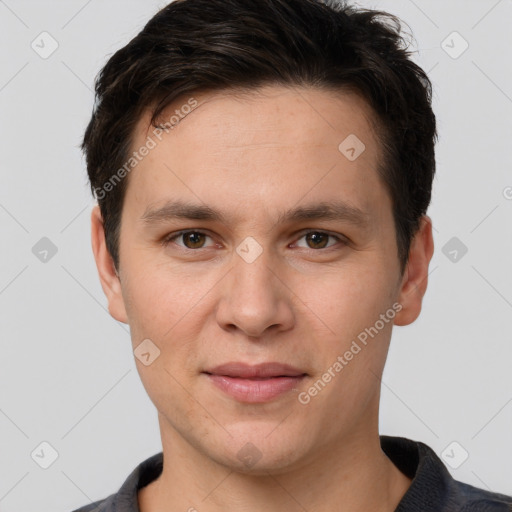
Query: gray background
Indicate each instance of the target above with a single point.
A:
(67, 375)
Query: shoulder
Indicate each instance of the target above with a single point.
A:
(463, 497)
(474, 499)
(104, 505)
(433, 489)
(125, 500)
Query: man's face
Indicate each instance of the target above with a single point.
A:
(260, 285)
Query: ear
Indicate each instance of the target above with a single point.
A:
(108, 276)
(415, 278)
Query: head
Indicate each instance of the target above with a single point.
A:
(294, 141)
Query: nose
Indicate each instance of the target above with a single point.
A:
(255, 300)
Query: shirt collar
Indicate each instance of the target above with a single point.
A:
(431, 488)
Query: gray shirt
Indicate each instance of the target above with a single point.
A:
(433, 489)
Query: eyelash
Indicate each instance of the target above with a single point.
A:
(173, 236)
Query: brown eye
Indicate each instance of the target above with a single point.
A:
(317, 239)
(193, 239)
(187, 240)
(320, 240)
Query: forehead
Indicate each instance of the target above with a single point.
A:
(271, 113)
(236, 145)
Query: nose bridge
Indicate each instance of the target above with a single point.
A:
(254, 279)
(255, 299)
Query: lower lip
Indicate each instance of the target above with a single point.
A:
(255, 390)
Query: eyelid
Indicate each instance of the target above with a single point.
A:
(337, 236)
(168, 239)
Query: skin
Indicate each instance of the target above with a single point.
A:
(301, 302)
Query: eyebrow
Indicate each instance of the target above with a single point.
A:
(337, 210)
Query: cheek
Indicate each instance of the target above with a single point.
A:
(161, 297)
(171, 310)
(164, 310)
(348, 298)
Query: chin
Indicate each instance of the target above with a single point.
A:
(253, 454)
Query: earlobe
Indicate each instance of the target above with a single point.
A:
(106, 270)
(415, 279)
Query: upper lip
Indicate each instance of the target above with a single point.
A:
(262, 370)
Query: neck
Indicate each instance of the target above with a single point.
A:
(355, 476)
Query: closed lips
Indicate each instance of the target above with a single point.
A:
(255, 372)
